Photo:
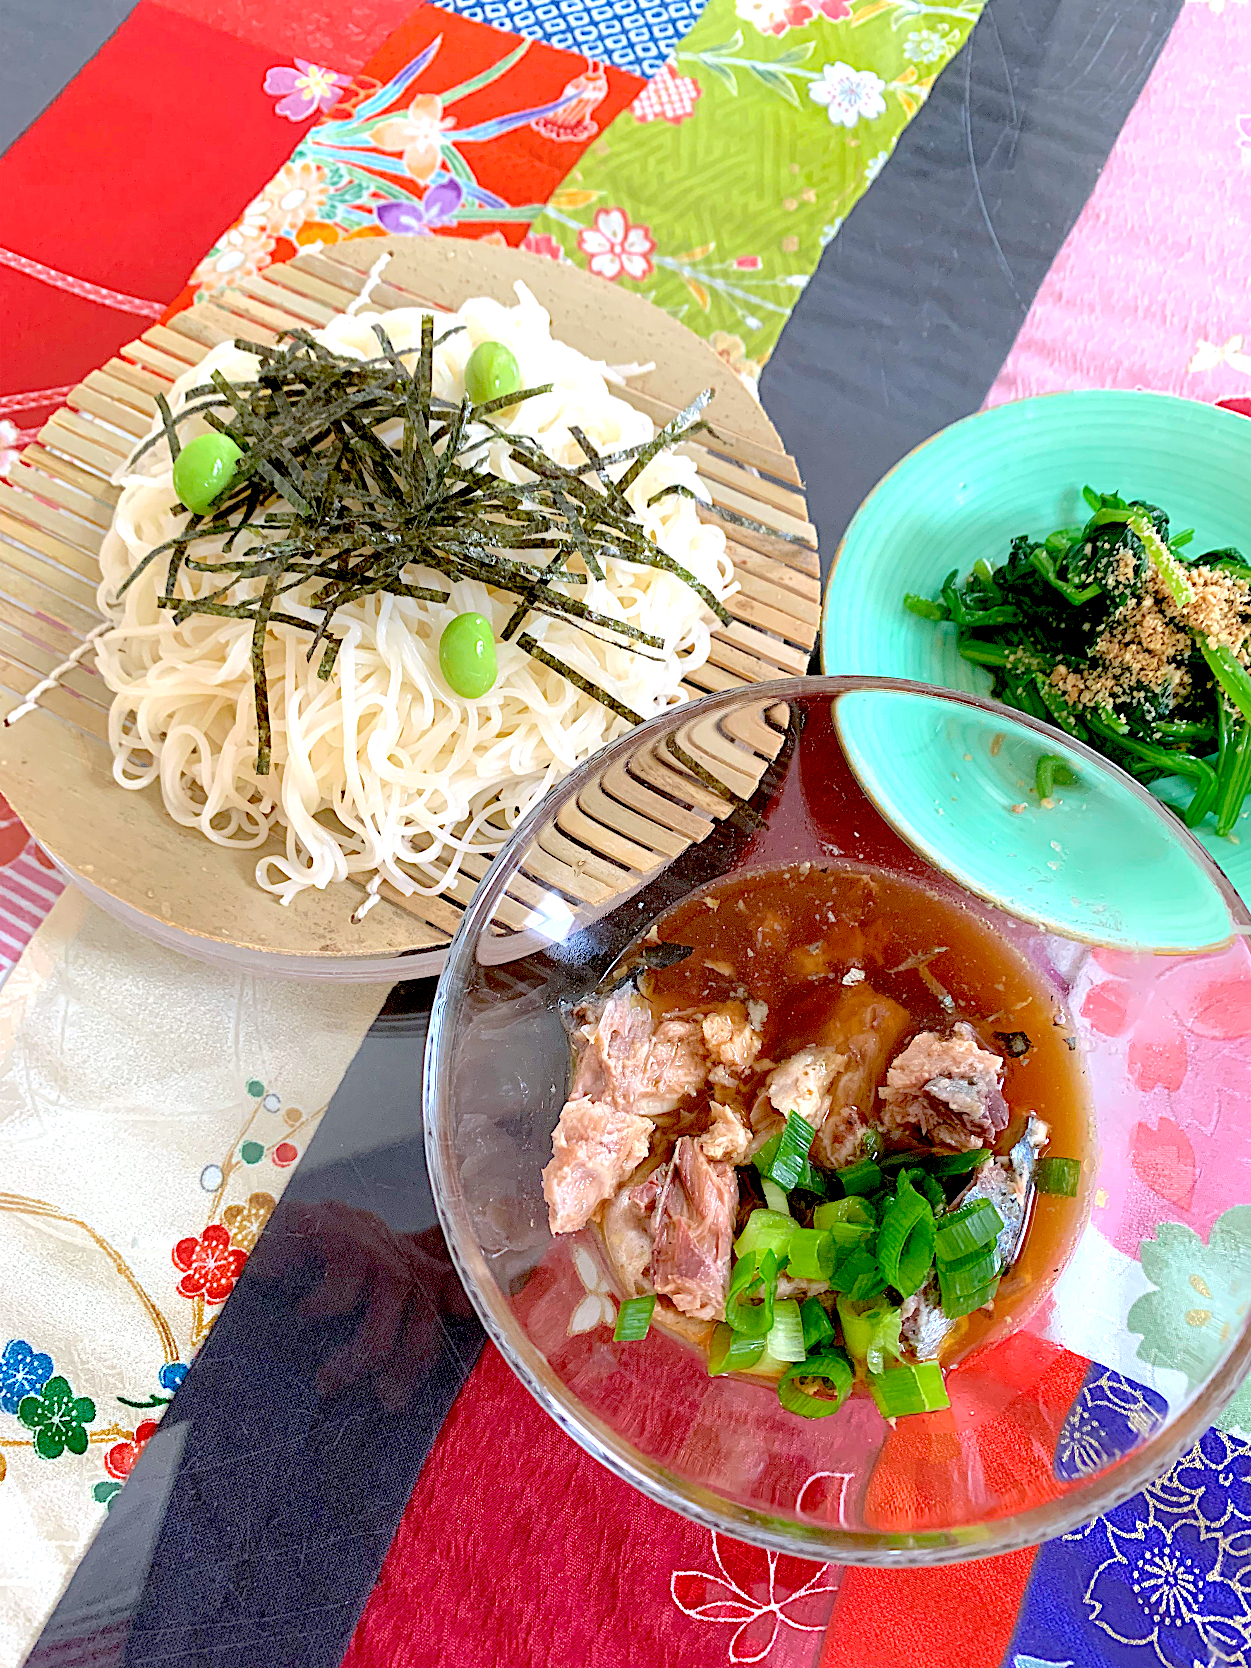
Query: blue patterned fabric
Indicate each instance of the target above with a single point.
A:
(1111, 1415)
(631, 34)
(1160, 1582)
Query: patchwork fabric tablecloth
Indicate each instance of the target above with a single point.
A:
(309, 127)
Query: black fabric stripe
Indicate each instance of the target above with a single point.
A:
(255, 1523)
(919, 297)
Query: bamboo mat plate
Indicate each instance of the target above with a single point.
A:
(122, 847)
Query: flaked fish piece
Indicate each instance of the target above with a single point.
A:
(1008, 1184)
(922, 1324)
(950, 1089)
(627, 1229)
(865, 1027)
(595, 1146)
(728, 1136)
(732, 1041)
(693, 1231)
(637, 1065)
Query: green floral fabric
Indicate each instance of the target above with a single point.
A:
(717, 190)
(1198, 1303)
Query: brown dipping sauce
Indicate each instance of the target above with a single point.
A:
(788, 937)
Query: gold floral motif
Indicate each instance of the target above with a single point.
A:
(244, 1222)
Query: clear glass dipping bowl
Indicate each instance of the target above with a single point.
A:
(1118, 1367)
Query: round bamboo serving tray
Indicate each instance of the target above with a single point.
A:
(57, 502)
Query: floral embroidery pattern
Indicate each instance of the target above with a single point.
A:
(775, 17)
(800, 103)
(58, 1418)
(385, 159)
(927, 46)
(244, 1223)
(849, 95)
(305, 90)
(1111, 1415)
(669, 97)
(758, 1593)
(210, 1263)
(22, 1374)
(436, 210)
(615, 248)
(418, 133)
(597, 1307)
(1178, 1559)
(120, 1460)
(297, 192)
(1199, 1301)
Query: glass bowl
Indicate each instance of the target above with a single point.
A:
(1120, 1358)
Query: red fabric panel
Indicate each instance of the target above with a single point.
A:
(125, 181)
(517, 1549)
(337, 34)
(957, 1616)
(523, 166)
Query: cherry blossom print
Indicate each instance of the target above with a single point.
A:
(305, 90)
(849, 95)
(210, 1264)
(775, 17)
(615, 248)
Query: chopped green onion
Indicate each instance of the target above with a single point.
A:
(853, 1210)
(847, 1234)
(863, 1176)
(775, 1197)
(801, 1386)
(930, 1190)
(872, 1144)
(1051, 772)
(731, 1352)
(786, 1336)
(809, 1177)
(905, 1242)
(1058, 1175)
(749, 1301)
(818, 1328)
(870, 1330)
(792, 1153)
(970, 1273)
(634, 1319)
(907, 1389)
(955, 1164)
(967, 1230)
(811, 1254)
(967, 1284)
(858, 1275)
(766, 1230)
(955, 1306)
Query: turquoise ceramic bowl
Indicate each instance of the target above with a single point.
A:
(1020, 468)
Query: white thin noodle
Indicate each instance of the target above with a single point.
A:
(382, 768)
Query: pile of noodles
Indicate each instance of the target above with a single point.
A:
(382, 770)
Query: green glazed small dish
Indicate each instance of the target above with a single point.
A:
(1020, 468)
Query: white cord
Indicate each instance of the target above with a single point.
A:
(371, 284)
(368, 902)
(58, 672)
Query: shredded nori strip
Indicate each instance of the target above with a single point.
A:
(328, 504)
